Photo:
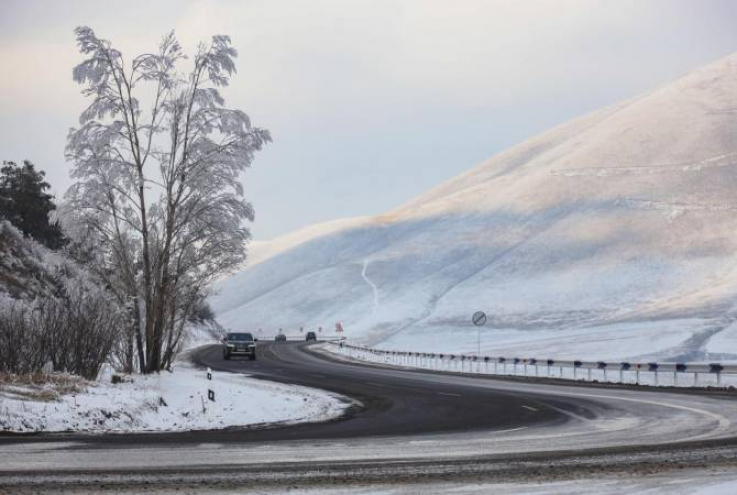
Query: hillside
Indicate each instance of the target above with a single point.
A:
(613, 235)
(29, 270)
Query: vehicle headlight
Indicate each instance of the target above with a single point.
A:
(230, 345)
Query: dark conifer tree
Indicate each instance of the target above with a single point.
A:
(26, 204)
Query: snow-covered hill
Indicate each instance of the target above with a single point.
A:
(614, 235)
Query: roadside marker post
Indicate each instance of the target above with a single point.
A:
(211, 394)
(209, 374)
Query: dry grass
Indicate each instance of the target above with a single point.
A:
(43, 387)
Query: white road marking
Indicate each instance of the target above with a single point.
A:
(451, 395)
(529, 408)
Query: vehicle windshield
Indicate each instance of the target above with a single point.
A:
(240, 337)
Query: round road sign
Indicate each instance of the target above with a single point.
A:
(479, 318)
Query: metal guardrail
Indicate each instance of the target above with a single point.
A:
(452, 362)
(300, 338)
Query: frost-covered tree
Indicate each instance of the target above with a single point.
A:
(157, 159)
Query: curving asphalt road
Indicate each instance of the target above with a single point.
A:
(407, 425)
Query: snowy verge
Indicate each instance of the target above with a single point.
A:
(466, 364)
(176, 401)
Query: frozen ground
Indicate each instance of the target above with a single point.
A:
(161, 402)
(610, 236)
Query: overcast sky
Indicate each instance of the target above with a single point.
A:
(369, 102)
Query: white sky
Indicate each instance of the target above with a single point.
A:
(369, 102)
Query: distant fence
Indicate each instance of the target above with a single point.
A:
(701, 374)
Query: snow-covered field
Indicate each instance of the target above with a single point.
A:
(612, 236)
(161, 402)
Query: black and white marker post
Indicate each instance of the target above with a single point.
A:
(478, 319)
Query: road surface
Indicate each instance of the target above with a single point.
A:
(404, 427)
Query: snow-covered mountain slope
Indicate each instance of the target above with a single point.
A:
(614, 235)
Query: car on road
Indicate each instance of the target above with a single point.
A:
(311, 336)
(239, 343)
(280, 337)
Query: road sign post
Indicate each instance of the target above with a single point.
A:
(478, 319)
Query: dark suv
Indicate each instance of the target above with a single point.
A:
(239, 344)
(311, 336)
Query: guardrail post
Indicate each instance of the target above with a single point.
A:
(637, 375)
(717, 368)
(680, 368)
(653, 367)
(576, 365)
(602, 366)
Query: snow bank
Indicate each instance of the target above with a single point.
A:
(509, 368)
(163, 402)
